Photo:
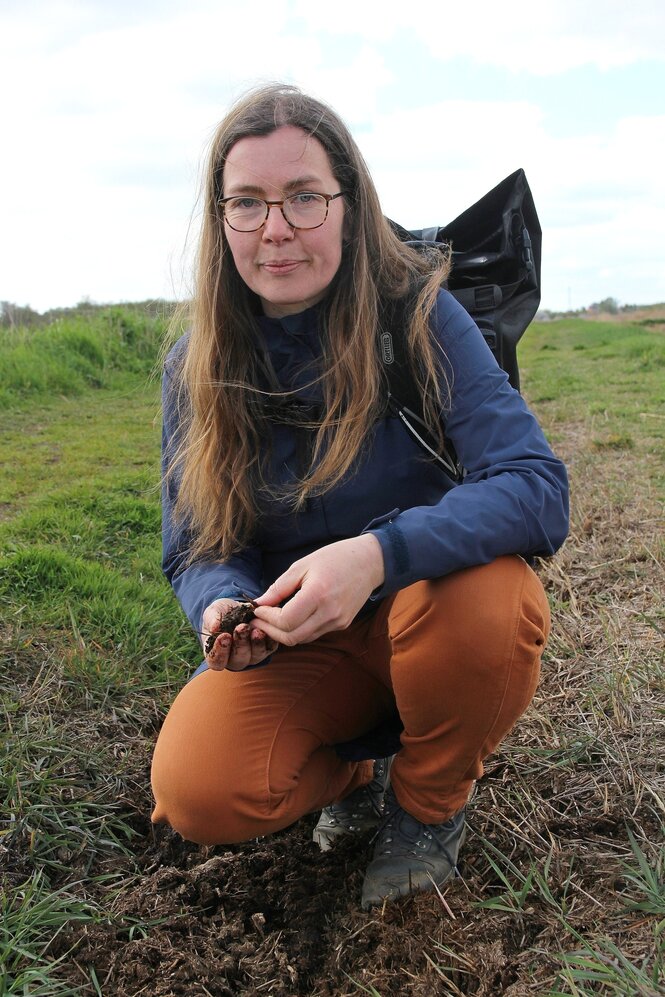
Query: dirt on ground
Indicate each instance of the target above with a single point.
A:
(278, 917)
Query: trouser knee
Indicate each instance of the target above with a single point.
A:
(465, 666)
(229, 767)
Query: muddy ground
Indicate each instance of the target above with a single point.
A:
(278, 917)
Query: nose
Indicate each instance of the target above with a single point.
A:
(276, 228)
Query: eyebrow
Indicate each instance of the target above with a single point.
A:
(298, 183)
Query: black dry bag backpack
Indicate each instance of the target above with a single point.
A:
(495, 276)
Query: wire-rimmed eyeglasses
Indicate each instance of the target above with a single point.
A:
(302, 210)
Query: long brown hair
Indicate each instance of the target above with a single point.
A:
(217, 460)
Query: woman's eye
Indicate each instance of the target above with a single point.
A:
(304, 199)
(245, 203)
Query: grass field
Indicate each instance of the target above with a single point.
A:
(562, 887)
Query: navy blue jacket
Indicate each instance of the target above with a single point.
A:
(513, 499)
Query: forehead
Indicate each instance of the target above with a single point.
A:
(280, 161)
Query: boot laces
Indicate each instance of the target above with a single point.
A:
(400, 834)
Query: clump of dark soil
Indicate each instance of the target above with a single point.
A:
(275, 916)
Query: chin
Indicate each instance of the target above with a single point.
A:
(277, 307)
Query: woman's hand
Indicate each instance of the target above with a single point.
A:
(247, 645)
(325, 590)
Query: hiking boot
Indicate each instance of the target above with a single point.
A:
(411, 856)
(361, 810)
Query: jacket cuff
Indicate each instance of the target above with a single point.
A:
(396, 556)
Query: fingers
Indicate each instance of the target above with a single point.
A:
(283, 587)
(288, 623)
(304, 618)
(248, 645)
(218, 657)
(215, 612)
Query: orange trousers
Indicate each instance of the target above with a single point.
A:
(243, 754)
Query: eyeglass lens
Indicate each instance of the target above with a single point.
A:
(306, 210)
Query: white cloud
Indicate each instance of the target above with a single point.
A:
(520, 35)
(432, 162)
(599, 197)
(602, 206)
(353, 87)
(108, 108)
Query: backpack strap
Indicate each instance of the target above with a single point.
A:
(404, 401)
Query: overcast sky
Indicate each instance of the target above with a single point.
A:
(107, 107)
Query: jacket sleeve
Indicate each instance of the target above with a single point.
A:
(199, 583)
(514, 497)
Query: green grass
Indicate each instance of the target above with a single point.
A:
(94, 647)
(81, 532)
(72, 355)
(89, 622)
(608, 377)
(30, 915)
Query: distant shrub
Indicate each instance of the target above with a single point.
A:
(608, 305)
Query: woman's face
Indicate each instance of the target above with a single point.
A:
(290, 269)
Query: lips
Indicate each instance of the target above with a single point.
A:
(280, 267)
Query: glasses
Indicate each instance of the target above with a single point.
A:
(303, 210)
